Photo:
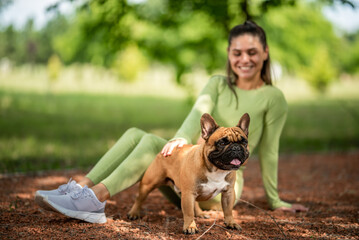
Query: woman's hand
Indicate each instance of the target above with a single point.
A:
(168, 148)
(295, 208)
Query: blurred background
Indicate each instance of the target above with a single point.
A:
(75, 74)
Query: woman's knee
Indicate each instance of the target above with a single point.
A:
(132, 132)
(153, 140)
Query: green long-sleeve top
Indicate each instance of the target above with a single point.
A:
(267, 109)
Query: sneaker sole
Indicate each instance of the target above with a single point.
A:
(39, 200)
(85, 216)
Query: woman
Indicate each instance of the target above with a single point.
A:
(247, 88)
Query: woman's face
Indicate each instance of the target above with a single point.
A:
(246, 56)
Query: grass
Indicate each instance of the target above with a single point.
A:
(75, 125)
(62, 131)
(40, 131)
(321, 125)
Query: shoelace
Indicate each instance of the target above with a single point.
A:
(65, 188)
(85, 191)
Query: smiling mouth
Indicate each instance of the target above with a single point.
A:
(246, 68)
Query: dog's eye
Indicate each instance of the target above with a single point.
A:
(223, 142)
(244, 141)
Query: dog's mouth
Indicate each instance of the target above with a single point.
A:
(236, 162)
(233, 164)
(223, 164)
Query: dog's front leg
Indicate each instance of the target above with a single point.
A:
(187, 202)
(228, 198)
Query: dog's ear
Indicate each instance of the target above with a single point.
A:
(208, 126)
(244, 123)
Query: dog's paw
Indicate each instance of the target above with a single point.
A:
(133, 216)
(190, 229)
(232, 225)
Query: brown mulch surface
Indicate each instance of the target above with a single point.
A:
(326, 183)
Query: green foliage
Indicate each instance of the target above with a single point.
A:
(295, 34)
(47, 35)
(7, 47)
(68, 44)
(29, 45)
(192, 39)
(349, 56)
(192, 34)
(129, 63)
(54, 67)
(96, 34)
(321, 71)
(182, 34)
(305, 44)
(160, 28)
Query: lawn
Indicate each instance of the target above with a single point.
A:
(322, 124)
(40, 131)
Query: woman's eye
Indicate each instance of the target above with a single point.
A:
(237, 54)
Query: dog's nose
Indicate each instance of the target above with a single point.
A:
(236, 147)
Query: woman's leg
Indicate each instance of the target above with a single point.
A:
(123, 147)
(215, 203)
(102, 192)
(238, 187)
(171, 195)
(134, 165)
(114, 157)
(88, 204)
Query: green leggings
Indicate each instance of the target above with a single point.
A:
(126, 162)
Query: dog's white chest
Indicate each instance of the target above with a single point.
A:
(216, 183)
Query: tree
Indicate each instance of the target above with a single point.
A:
(29, 45)
(184, 34)
(349, 57)
(4, 4)
(159, 28)
(7, 46)
(191, 34)
(96, 34)
(321, 72)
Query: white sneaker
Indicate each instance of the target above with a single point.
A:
(70, 186)
(82, 205)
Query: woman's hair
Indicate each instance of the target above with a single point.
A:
(248, 27)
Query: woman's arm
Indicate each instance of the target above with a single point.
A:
(274, 121)
(190, 128)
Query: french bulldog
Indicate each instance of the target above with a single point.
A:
(200, 172)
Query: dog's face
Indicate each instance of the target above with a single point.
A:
(225, 148)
